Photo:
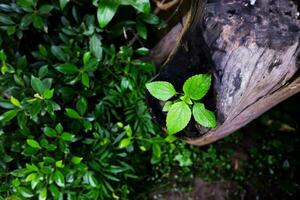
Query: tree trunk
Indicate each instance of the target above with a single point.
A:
(252, 50)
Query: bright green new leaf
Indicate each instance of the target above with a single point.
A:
(178, 117)
(15, 101)
(85, 80)
(167, 106)
(68, 137)
(33, 144)
(76, 160)
(67, 68)
(7, 116)
(48, 94)
(161, 90)
(197, 86)
(106, 11)
(156, 150)
(37, 85)
(72, 113)
(125, 143)
(204, 117)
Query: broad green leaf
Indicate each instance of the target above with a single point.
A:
(59, 164)
(37, 85)
(82, 105)
(125, 143)
(3, 56)
(142, 51)
(26, 3)
(26, 193)
(63, 3)
(106, 11)
(15, 101)
(67, 68)
(58, 178)
(161, 90)
(8, 116)
(43, 194)
(150, 19)
(48, 94)
(76, 160)
(197, 86)
(59, 53)
(68, 137)
(38, 22)
(33, 143)
(141, 29)
(55, 192)
(140, 5)
(204, 117)
(96, 46)
(72, 113)
(45, 9)
(6, 20)
(49, 132)
(178, 117)
(26, 20)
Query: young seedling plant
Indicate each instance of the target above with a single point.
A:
(183, 105)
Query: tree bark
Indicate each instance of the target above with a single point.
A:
(252, 52)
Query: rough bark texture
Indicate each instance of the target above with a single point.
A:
(253, 53)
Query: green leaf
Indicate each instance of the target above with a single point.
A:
(49, 132)
(140, 5)
(15, 101)
(96, 47)
(26, 3)
(141, 29)
(63, 3)
(55, 192)
(106, 11)
(43, 194)
(67, 68)
(161, 90)
(76, 160)
(125, 143)
(204, 117)
(26, 193)
(85, 80)
(58, 53)
(2, 56)
(81, 105)
(8, 116)
(170, 138)
(6, 20)
(68, 137)
(38, 22)
(37, 85)
(72, 113)
(178, 117)
(197, 86)
(26, 20)
(33, 144)
(45, 9)
(167, 106)
(48, 94)
(58, 178)
(142, 51)
(150, 19)
(156, 150)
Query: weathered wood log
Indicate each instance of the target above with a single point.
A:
(251, 50)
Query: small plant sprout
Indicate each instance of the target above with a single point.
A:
(180, 107)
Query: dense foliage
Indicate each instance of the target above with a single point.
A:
(73, 119)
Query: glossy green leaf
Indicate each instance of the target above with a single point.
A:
(106, 11)
(178, 117)
(49, 132)
(45, 9)
(197, 86)
(68, 137)
(161, 90)
(125, 143)
(8, 116)
(26, 193)
(204, 117)
(15, 101)
(33, 143)
(82, 105)
(43, 194)
(76, 160)
(72, 113)
(67, 68)
(59, 179)
(26, 20)
(48, 94)
(85, 80)
(37, 85)
(167, 106)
